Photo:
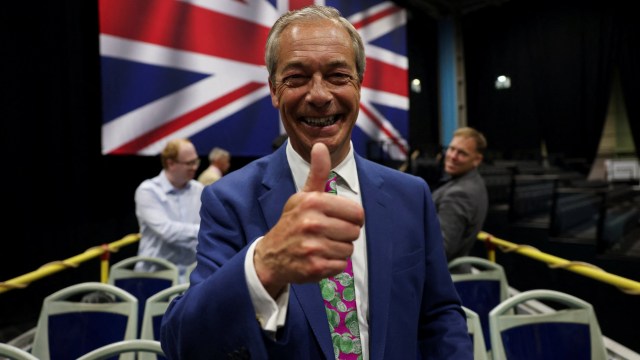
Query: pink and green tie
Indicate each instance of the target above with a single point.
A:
(339, 297)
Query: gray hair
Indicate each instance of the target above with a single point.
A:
(310, 13)
(218, 153)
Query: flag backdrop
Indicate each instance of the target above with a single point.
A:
(195, 68)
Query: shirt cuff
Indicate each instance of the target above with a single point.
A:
(193, 230)
(271, 314)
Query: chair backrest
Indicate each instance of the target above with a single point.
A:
(9, 351)
(130, 347)
(570, 332)
(83, 317)
(143, 284)
(155, 308)
(482, 289)
(476, 334)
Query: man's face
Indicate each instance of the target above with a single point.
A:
(462, 156)
(223, 163)
(185, 166)
(316, 87)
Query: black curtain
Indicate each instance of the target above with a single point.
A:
(576, 51)
(494, 44)
(559, 56)
(61, 195)
(422, 51)
(628, 61)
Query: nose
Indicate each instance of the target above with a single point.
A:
(453, 154)
(318, 94)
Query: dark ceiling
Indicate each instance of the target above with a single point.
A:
(445, 8)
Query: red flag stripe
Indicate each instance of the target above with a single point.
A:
(386, 77)
(375, 17)
(382, 128)
(137, 144)
(299, 4)
(201, 30)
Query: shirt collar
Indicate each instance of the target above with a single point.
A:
(346, 169)
(167, 187)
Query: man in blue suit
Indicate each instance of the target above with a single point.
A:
(270, 234)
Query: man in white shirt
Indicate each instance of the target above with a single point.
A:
(168, 206)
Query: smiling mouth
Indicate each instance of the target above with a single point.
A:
(320, 121)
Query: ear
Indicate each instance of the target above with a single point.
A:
(478, 160)
(274, 99)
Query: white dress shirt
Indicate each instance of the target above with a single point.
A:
(169, 221)
(272, 314)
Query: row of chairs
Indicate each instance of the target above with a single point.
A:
(83, 317)
(510, 327)
(68, 327)
(493, 320)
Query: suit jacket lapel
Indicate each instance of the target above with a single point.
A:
(312, 305)
(375, 201)
(279, 186)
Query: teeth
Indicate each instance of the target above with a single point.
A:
(323, 121)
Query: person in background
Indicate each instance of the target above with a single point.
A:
(167, 208)
(219, 163)
(462, 201)
(273, 278)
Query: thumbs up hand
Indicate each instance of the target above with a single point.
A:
(313, 237)
(320, 166)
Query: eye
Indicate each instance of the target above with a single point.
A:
(339, 78)
(295, 80)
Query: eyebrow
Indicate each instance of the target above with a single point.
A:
(300, 65)
(459, 150)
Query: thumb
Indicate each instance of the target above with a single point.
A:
(320, 165)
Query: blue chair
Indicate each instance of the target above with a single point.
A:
(569, 332)
(143, 284)
(130, 347)
(480, 290)
(476, 334)
(69, 326)
(153, 312)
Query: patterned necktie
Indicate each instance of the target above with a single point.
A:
(339, 297)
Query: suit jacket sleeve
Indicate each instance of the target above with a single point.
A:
(454, 214)
(414, 309)
(215, 318)
(443, 330)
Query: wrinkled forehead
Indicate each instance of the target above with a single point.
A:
(323, 32)
(307, 42)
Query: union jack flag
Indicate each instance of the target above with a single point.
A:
(195, 68)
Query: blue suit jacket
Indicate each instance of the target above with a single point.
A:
(414, 310)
